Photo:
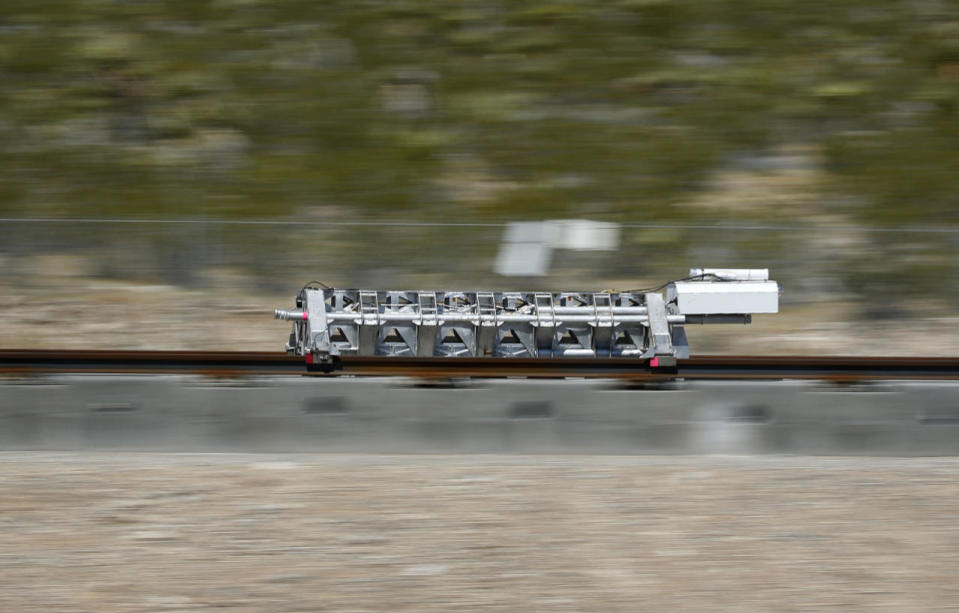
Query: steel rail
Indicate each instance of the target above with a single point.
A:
(229, 364)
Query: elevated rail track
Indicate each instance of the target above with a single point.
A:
(230, 364)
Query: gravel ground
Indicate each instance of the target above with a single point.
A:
(281, 533)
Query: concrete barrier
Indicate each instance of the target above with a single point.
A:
(301, 414)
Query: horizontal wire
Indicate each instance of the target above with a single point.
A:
(440, 224)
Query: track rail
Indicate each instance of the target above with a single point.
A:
(228, 364)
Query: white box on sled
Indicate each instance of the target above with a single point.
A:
(725, 297)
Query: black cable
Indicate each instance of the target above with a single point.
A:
(692, 278)
(320, 283)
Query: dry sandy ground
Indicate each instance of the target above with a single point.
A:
(281, 533)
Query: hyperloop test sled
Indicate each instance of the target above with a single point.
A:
(641, 324)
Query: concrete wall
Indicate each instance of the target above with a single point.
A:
(172, 413)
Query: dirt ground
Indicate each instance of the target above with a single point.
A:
(97, 532)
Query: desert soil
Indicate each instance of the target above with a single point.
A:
(98, 532)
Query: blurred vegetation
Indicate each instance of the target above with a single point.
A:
(261, 108)
(625, 110)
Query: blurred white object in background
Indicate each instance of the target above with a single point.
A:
(586, 235)
(528, 245)
(526, 249)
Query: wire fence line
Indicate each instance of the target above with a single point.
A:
(817, 262)
(444, 224)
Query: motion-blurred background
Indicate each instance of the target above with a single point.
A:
(170, 171)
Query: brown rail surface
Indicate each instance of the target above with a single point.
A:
(226, 363)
